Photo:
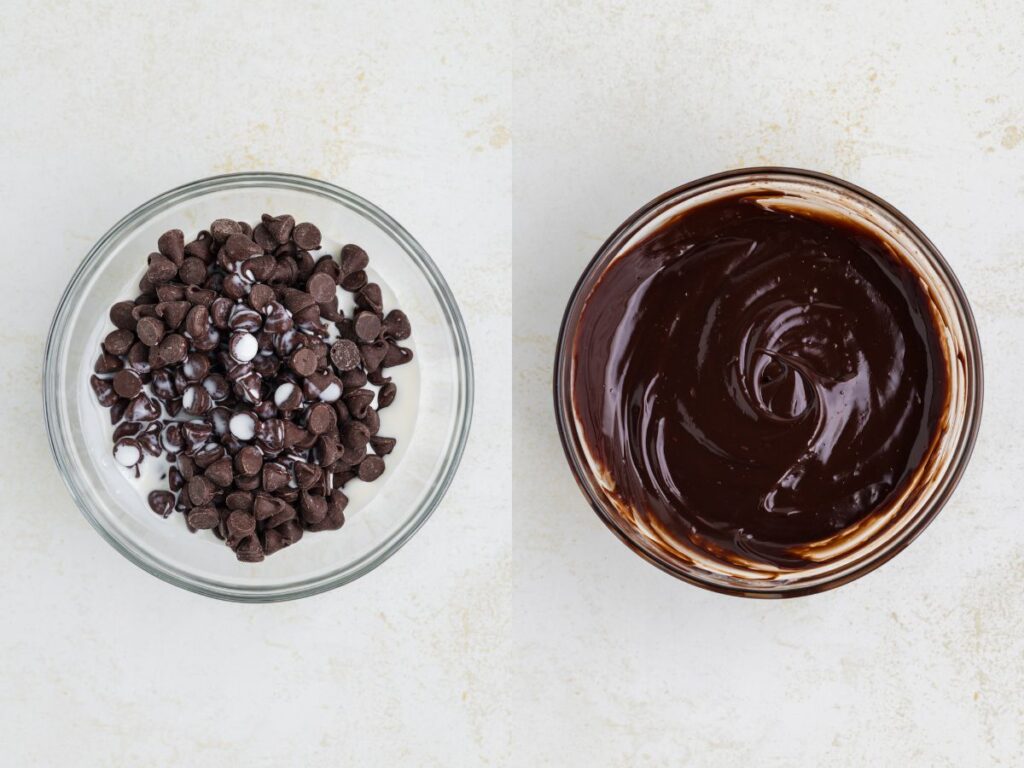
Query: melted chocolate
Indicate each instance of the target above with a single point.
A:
(754, 380)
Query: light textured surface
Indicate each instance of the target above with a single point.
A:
(511, 139)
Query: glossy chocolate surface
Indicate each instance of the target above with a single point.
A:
(753, 380)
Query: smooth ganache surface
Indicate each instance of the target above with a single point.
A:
(753, 380)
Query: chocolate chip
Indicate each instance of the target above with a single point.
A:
(172, 245)
(127, 384)
(312, 509)
(320, 418)
(260, 296)
(382, 446)
(249, 460)
(200, 490)
(108, 363)
(306, 475)
(265, 506)
(271, 435)
(141, 408)
(240, 523)
(386, 394)
(222, 229)
(249, 550)
(243, 500)
(321, 287)
(345, 355)
(279, 227)
(203, 518)
(263, 238)
(239, 248)
(193, 271)
(367, 326)
(197, 321)
(272, 541)
(372, 420)
(328, 266)
(355, 435)
(354, 379)
(173, 349)
(275, 477)
(161, 269)
(306, 236)
(396, 355)
(396, 325)
(374, 355)
(220, 312)
(369, 297)
(200, 247)
(121, 315)
(161, 502)
(220, 473)
(118, 342)
(354, 281)
(117, 410)
(172, 312)
(371, 468)
(286, 514)
(303, 362)
(353, 259)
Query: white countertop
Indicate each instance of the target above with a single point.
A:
(510, 139)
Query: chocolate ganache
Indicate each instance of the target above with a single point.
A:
(753, 379)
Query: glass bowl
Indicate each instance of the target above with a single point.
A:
(844, 557)
(437, 388)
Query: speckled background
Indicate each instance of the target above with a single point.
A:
(510, 139)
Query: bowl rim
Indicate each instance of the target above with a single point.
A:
(54, 406)
(975, 377)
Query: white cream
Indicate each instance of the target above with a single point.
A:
(242, 426)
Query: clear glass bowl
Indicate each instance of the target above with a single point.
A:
(382, 516)
(848, 557)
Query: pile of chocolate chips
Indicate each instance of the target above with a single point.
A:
(236, 364)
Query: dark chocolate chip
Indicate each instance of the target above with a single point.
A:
(275, 476)
(396, 325)
(203, 518)
(121, 315)
(386, 395)
(127, 383)
(374, 354)
(173, 348)
(197, 321)
(306, 236)
(260, 296)
(345, 355)
(371, 468)
(108, 363)
(200, 490)
(161, 269)
(118, 342)
(321, 287)
(222, 229)
(367, 326)
(239, 248)
(396, 355)
(369, 297)
(161, 502)
(249, 460)
(193, 271)
(354, 281)
(172, 245)
(279, 227)
(303, 362)
(382, 446)
(353, 259)
(220, 473)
